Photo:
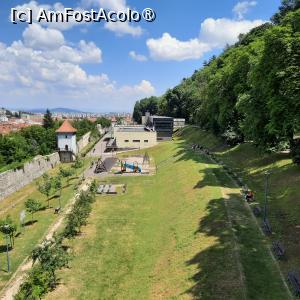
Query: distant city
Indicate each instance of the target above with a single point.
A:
(12, 120)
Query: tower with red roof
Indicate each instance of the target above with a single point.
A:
(66, 142)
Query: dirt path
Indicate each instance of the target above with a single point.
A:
(13, 285)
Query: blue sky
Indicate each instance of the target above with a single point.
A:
(107, 67)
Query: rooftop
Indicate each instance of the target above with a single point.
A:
(161, 117)
(133, 129)
(66, 127)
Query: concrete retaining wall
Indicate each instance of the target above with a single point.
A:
(12, 180)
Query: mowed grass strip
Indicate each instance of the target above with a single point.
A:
(168, 237)
(284, 189)
(30, 235)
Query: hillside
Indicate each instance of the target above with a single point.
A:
(284, 202)
(248, 93)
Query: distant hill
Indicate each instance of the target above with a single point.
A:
(56, 110)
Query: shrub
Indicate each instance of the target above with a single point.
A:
(295, 151)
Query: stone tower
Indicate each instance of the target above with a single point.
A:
(66, 142)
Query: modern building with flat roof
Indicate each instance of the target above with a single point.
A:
(134, 137)
(162, 125)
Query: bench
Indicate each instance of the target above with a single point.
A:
(257, 211)
(112, 190)
(294, 281)
(278, 249)
(106, 189)
(57, 210)
(267, 227)
(100, 189)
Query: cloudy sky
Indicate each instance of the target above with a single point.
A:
(108, 66)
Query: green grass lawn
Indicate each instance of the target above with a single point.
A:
(184, 233)
(284, 203)
(31, 234)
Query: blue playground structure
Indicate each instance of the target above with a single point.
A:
(134, 167)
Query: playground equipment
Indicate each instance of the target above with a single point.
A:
(146, 159)
(134, 167)
(100, 167)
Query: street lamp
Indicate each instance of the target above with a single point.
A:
(7, 227)
(267, 175)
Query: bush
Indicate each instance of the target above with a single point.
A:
(37, 284)
(295, 151)
(79, 214)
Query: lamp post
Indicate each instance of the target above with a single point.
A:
(7, 249)
(267, 175)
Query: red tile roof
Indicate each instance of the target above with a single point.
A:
(66, 127)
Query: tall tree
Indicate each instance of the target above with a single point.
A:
(48, 120)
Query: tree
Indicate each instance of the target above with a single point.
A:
(8, 228)
(37, 284)
(51, 256)
(32, 206)
(57, 184)
(104, 122)
(145, 105)
(286, 7)
(45, 187)
(93, 187)
(77, 164)
(48, 121)
(66, 173)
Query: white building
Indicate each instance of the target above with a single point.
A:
(66, 142)
(134, 137)
(3, 117)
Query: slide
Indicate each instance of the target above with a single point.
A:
(132, 167)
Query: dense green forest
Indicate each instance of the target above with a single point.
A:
(251, 92)
(17, 147)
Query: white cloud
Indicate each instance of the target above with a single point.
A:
(35, 7)
(120, 28)
(214, 33)
(219, 32)
(136, 56)
(169, 48)
(53, 46)
(123, 28)
(39, 38)
(86, 52)
(117, 5)
(144, 87)
(241, 8)
(33, 77)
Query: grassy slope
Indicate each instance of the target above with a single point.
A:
(170, 237)
(32, 233)
(284, 208)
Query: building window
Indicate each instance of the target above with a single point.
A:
(146, 141)
(67, 148)
(136, 141)
(126, 141)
